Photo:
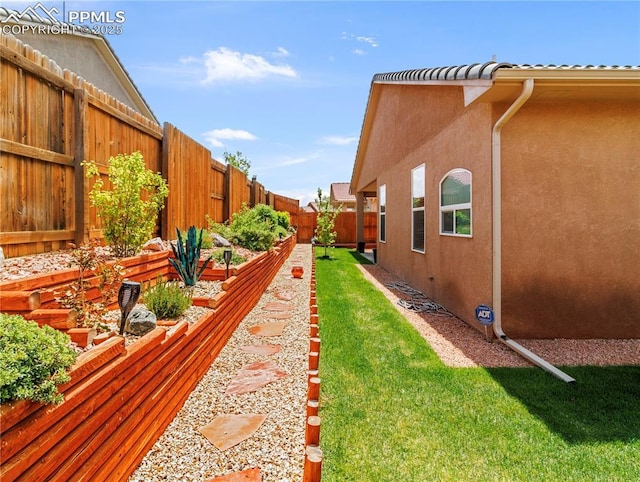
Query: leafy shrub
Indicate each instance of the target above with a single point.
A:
(166, 299)
(207, 240)
(236, 259)
(89, 260)
(223, 230)
(257, 228)
(187, 257)
(130, 209)
(33, 360)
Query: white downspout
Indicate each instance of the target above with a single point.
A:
(496, 161)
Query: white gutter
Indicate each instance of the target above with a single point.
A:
(496, 161)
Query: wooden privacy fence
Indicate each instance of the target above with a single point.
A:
(51, 120)
(345, 227)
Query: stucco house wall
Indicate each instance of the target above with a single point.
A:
(452, 270)
(571, 220)
(570, 201)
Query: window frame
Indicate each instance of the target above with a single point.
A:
(382, 213)
(419, 208)
(454, 208)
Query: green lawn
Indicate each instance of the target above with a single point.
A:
(391, 411)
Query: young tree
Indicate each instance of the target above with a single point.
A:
(327, 214)
(238, 160)
(129, 210)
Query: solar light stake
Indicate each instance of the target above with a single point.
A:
(227, 259)
(127, 298)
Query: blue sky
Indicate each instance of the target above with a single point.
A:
(286, 83)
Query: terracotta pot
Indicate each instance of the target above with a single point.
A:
(297, 271)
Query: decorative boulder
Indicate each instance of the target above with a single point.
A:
(155, 244)
(219, 241)
(141, 321)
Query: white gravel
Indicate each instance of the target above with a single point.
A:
(183, 454)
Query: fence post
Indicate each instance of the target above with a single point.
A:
(79, 154)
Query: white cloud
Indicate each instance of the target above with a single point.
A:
(282, 52)
(337, 140)
(225, 64)
(215, 136)
(370, 40)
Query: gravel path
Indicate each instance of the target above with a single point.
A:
(183, 454)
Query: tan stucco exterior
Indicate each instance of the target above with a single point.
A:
(570, 162)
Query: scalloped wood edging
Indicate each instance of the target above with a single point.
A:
(120, 400)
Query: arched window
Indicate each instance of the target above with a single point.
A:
(455, 203)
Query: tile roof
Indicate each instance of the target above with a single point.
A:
(340, 192)
(480, 71)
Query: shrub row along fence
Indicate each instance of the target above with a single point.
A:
(51, 120)
(121, 398)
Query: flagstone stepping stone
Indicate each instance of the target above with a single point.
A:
(228, 430)
(269, 329)
(282, 315)
(277, 307)
(285, 295)
(254, 376)
(261, 349)
(248, 475)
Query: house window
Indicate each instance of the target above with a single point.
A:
(417, 209)
(455, 203)
(382, 223)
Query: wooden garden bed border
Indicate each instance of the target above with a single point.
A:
(120, 400)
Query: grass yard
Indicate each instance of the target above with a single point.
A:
(391, 411)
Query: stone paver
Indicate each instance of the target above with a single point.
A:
(274, 328)
(253, 377)
(228, 430)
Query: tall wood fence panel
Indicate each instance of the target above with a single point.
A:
(196, 187)
(51, 120)
(237, 192)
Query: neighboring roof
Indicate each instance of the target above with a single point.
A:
(502, 81)
(312, 207)
(340, 192)
(9, 16)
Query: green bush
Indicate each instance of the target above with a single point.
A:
(33, 360)
(236, 259)
(257, 228)
(129, 210)
(166, 299)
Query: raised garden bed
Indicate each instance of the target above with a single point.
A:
(121, 398)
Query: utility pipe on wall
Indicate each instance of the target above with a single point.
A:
(496, 177)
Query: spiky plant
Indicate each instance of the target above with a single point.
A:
(187, 257)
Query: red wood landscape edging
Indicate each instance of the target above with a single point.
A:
(120, 400)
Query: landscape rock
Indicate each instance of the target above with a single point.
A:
(219, 241)
(141, 321)
(156, 244)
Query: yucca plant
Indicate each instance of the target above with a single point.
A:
(187, 257)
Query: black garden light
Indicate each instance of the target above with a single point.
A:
(227, 259)
(127, 298)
